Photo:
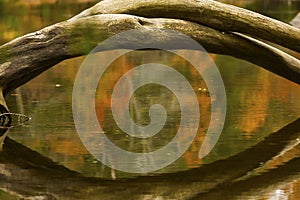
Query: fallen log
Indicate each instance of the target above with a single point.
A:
(26, 57)
(220, 16)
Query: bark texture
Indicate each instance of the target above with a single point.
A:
(211, 13)
(26, 57)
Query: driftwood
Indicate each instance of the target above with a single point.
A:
(210, 13)
(27, 56)
(30, 55)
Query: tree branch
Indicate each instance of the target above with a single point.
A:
(26, 57)
(210, 13)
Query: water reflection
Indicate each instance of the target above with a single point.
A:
(57, 138)
(258, 103)
(30, 174)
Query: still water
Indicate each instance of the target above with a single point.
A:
(259, 103)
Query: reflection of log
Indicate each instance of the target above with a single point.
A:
(26, 173)
(38, 175)
(257, 185)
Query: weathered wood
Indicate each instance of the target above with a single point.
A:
(211, 13)
(26, 57)
(30, 55)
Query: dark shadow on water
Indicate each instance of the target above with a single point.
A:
(30, 174)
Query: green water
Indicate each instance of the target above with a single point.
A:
(258, 103)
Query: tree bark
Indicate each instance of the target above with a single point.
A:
(26, 57)
(210, 13)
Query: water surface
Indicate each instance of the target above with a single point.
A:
(259, 103)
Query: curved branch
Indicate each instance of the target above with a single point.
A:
(210, 13)
(26, 57)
